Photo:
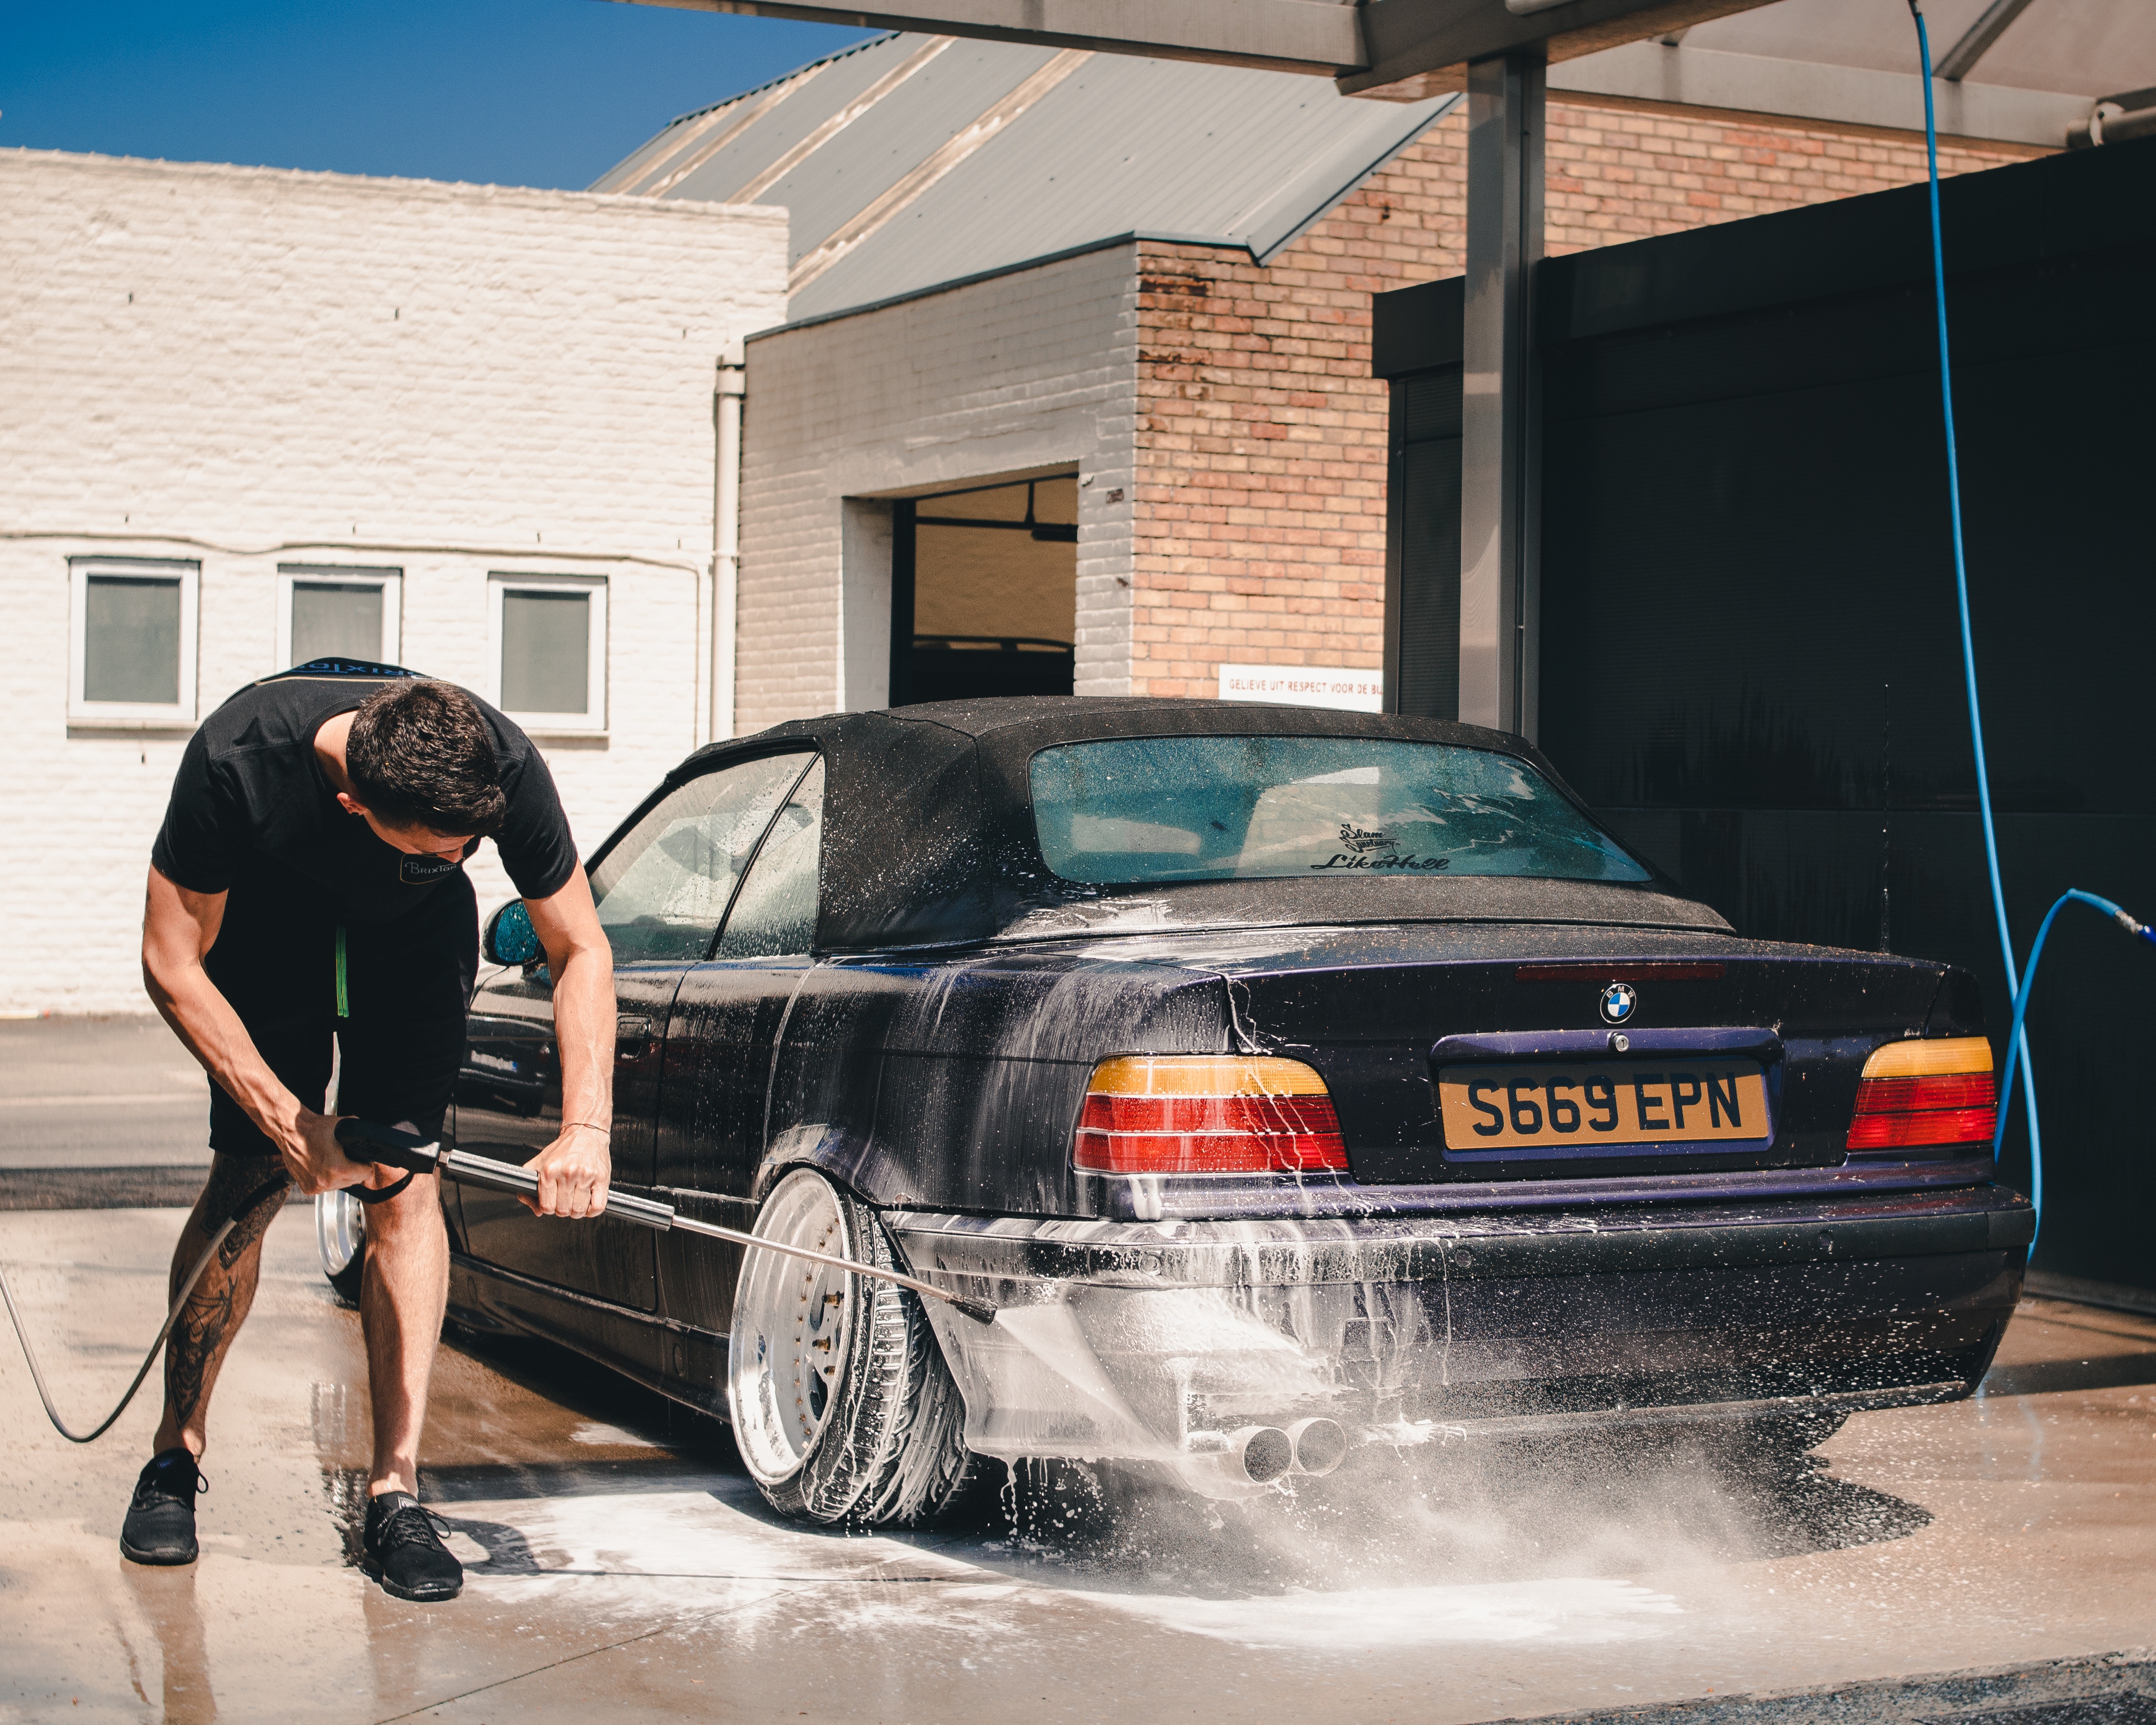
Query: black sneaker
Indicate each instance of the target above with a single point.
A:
(404, 1553)
(159, 1527)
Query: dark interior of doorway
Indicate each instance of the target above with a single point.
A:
(1750, 661)
(984, 590)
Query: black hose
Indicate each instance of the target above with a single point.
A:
(172, 1317)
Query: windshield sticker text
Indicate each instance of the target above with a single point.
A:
(1395, 860)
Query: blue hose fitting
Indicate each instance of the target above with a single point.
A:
(2072, 894)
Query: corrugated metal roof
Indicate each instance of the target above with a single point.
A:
(916, 165)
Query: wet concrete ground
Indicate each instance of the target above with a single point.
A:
(621, 1566)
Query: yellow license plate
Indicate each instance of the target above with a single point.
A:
(1670, 1100)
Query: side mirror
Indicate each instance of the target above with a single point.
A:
(509, 937)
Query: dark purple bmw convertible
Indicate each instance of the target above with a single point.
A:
(1299, 1083)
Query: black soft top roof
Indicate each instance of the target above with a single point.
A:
(929, 841)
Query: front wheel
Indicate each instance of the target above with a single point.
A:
(842, 1406)
(340, 1238)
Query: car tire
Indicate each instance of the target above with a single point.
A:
(340, 1238)
(843, 1409)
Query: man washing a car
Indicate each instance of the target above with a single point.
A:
(308, 884)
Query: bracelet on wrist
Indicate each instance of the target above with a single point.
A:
(602, 1130)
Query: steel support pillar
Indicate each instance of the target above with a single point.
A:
(1501, 447)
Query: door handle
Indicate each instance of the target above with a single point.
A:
(631, 1035)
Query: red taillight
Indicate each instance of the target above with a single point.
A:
(1207, 1114)
(1939, 1091)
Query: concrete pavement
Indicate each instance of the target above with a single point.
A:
(621, 1563)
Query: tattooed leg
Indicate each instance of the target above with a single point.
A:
(219, 1303)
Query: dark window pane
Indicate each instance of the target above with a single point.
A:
(545, 652)
(1294, 807)
(331, 619)
(662, 890)
(131, 639)
(1430, 577)
(776, 912)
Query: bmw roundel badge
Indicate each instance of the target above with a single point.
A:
(1618, 1001)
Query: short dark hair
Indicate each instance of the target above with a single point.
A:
(420, 755)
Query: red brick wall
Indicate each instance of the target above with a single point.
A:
(1260, 477)
(1623, 172)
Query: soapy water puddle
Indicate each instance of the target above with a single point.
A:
(1445, 1543)
(1497, 1549)
(1576, 1611)
(630, 1557)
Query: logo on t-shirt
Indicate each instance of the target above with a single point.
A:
(416, 871)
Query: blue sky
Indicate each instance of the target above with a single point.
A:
(515, 92)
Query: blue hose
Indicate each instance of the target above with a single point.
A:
(2018, 1043)
(2017, 1040)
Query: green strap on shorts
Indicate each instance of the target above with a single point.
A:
(344, 1003)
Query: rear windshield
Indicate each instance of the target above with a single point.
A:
(1289, 808)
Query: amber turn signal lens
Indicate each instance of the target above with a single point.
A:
(1926, 1093)
(1207, 1114)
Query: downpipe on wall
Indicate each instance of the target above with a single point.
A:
(729, 393)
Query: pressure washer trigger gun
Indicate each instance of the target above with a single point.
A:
(371, 1141)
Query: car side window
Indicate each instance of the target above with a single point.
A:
(662, 890)
(776, 912)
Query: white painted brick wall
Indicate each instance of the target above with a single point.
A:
(248, 365)
(1031, 370)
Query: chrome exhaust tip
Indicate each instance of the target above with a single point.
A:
(1265, 1453)
(1236, 1464)
(1317, 1447)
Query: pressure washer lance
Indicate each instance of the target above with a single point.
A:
(369, 1141)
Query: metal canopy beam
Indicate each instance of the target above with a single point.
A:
(1426, 45)
(1501, 396)
(1686, 76)
(1976, 42)
(1366, 44)
(1318, 36)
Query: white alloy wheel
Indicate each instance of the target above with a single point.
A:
(842, 1406)
(793, 1321)
(340, 1238)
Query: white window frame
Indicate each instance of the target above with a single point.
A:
(132, 715)
(593, 721)
(390, 581)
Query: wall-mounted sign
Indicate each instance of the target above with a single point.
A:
(1361, 692)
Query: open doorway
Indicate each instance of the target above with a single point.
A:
(984, 590)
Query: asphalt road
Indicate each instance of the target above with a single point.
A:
(623, 1566)
(103, 1092)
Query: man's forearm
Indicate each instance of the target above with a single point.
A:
(584, 1033)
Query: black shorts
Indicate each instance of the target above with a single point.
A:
(395, 1003)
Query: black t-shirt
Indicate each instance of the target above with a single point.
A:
(250, 786)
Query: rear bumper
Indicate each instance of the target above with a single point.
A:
(1153, 1341)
